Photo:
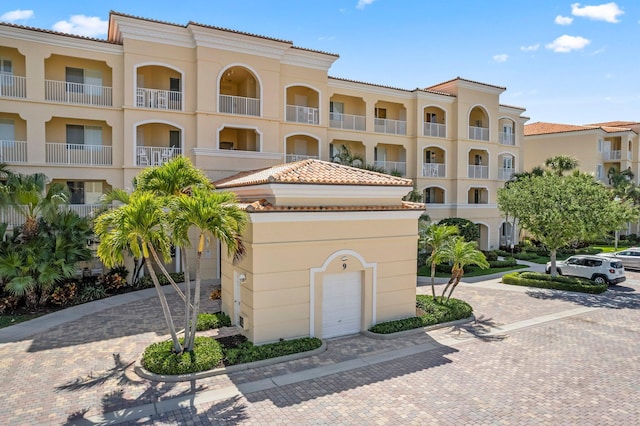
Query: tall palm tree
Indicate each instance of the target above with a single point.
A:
(435, 237)
(140, 227)
(562, 163)
(212, 214)
(461, 253)
(26, 194)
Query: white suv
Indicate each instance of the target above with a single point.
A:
(595, 268)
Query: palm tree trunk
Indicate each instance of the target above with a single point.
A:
(163, 301)
(187, 291)
(196, 297)
(451, 280)
(458, 278)
(433, 279)
(171, 280)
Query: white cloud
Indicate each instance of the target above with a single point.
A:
(363, 3)
(16, 15)
(531, 48)
(501, 57)
(563, 20)
(605, 12)
(567, 43)
(89, 26)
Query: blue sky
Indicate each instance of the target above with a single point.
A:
(565, 62)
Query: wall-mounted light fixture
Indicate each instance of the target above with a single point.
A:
(242, 278)
(344, 258)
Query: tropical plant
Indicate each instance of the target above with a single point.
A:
(461, 253)
(466, 228)
(434, 237)
(562, 163)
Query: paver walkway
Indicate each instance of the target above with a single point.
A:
(531, 357)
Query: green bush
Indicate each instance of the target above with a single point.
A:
(491, 255)
(159, 357)
(435, 312)
(147, 282)
(539, 280)
(527, 255)
(248, 352)
(510, 261)
(210, 321)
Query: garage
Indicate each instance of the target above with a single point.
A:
(341, 304)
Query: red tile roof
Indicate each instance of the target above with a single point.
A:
(313, 171)
(262, 206)
(542, 128)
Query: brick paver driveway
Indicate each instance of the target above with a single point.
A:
(532, 357)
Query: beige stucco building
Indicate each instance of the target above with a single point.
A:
(331, 250)
(92, 113)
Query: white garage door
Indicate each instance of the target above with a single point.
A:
(341, 304)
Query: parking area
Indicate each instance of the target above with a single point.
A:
(531, 357)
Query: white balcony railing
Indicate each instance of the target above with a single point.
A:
(612, 155)
(77, 93)
(68, 153)
(433, 170)
(479, 133)
(13, 86)
(12, 217)
(505, 173)
(347, 121)
(158, 99)
(13, 152)
(478, 172)
(507, 138)
(303, 114)
(85, 210)
(392, 167)
(155, 155)
(239, 105)
(392, 127)
(435, 129)
(291, 158)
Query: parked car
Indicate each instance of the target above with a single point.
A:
(596, 268)
(630, 257)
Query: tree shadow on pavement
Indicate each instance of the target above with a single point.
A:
(483, 329)
(617, 297)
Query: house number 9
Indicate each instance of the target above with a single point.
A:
(344, 266)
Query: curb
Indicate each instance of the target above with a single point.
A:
(146, 374)
(420, 330)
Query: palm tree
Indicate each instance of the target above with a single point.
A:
(212, 214)
(435, 236)
(140, 227)
(562, 163)
(26, 194)
(461, 253)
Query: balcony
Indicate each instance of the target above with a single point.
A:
(159, 99)
(347, 121)
(478, 172)
(392, 127)
(292, 158)
(13, 86)
(303, 114)
(505, 173)
(435, 130)
(12, 217)
(433, 170)
(77, 93)
(239, 105)
(507, 139)
(13, 152)
(155, 155)
(84, 210)
(79, 154)
(479, 133)
(391, 167)
(612, 155)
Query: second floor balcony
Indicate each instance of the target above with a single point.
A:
(398, 168)
(303, 114)
(393, 127)
(292, 158)
(478, 172)
(347, 121)
(507, 138)
(155, 155)
(435, 130)
(479, 133)
(78, 154)
(612, 155)
(13, 86)
(505, 173)
(77, 93)
(159, 99)
(433, 170)
(13, 151)
(239, 105)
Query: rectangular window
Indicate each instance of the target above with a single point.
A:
(600, 171)
(600, 145)
(7, 131)
(431, 117)
(476, 196)
(381, 113)
(75, 135)
(174, 84)
(83, 135)
(77, 192)
(336, 110)
(75, 79)
(174, 138)
(6, 66)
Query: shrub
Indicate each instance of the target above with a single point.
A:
(147, 282)
(248, 352)
(435, 312)
(491, 255)
(112, 282)
(8, 303)
(210, 321)
(90, 293)
(64, 294)
(535, 279)
(526, 255)
(510, 261)
(159, 357)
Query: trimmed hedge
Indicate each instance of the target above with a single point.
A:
(539, 280)
(248, 352)
(435, 312)
(210, 321)
(159, 357)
